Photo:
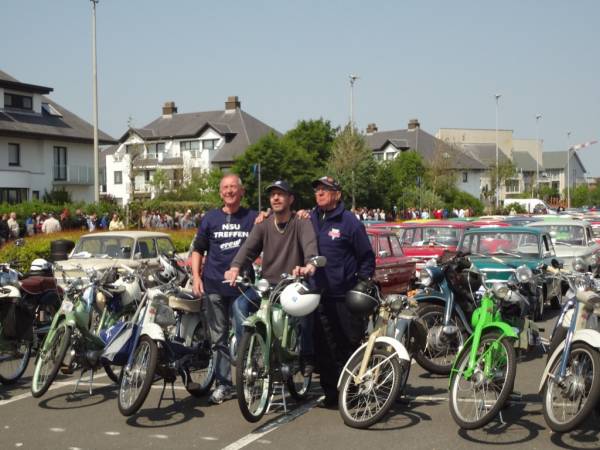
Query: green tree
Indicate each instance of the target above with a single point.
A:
(315, 137)
(580, 196)
(504, 171)
(159, 181)
(352, 163)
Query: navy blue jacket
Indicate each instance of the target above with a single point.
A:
(342, 239)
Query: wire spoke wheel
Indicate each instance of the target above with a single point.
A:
(14, 357)
(136, 382)
(440, 349)
(569, 402)
(253, 377)
(49, 360)
(363, 402)
(475, 400)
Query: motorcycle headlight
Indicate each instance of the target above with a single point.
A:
(500, 290)
(395, 301)
(262, 285)
(431, 263)
(579, 265)
(524, 274)
(425, 277)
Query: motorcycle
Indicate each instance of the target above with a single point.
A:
(269, 349)
(377, 372)
(169, 338)
(73, 340)
(27, 304)
(570, 384)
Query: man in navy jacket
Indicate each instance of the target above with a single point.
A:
(342, 239)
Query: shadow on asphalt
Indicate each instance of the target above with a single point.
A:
(418, 391)
(170, 413)
(8, 391)
(588, 436)
(80, 398)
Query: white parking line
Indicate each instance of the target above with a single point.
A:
(272, 426)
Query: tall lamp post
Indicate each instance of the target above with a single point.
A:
(568, 169)
(353, 79)
(537, 153)
(95, 102)
(497, 165)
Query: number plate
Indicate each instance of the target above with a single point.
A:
(66, 306)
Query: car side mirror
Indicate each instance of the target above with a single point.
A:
(383, 253)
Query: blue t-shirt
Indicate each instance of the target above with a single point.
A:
(221, 235)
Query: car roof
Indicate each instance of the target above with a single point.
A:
(379, 231)
(428, 223)
(558, 222)
(130, 234)
(525, 229)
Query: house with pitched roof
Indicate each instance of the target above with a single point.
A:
(386, 145)
(45, 146)
(179, 144)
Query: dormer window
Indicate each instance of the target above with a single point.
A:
(209, 144)
(18, 101)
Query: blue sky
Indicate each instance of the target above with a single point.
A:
(438, 61)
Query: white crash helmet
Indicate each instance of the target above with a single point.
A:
(168, 272)
(132, 289)
(297, 300)
(39, 265)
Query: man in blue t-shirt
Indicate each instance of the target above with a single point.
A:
(221, 233)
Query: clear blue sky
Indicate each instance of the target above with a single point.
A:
(438, 61)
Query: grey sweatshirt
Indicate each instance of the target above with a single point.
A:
(281, 251)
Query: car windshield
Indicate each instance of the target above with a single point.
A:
(103, 247)
(518, 244)
(438, 235)
(566, 234)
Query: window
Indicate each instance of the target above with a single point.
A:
(465, 177)
(512, 185)
(155, 149)
(165, 246)
(209, 144)
(18, 101)
(60, 163)
(118, 177)
(396, 247)
(13, 195)
(146, 248)
(384, 245)
(14, 155)
(147, 176)
(378, 156)
(189, 145)
(35, 195)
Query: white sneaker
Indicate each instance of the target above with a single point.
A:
(220, 394)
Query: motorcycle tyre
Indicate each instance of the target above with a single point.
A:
(63, 346)
(148, 380)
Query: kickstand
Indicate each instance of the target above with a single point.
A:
(163, 392)
(501, 419)
(283, 402)
(90, 380)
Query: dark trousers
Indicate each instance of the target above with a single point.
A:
(338, 334)
(218, 312)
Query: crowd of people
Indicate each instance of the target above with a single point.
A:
(367, 214)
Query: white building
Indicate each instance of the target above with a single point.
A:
(45, 145)
(179, 144)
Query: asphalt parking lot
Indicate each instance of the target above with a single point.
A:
(62, 419)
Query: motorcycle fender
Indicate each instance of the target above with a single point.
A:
(590, 337)
(153, 331)
(397, 346)
(254, 321)
(10, 292)
(188, 325)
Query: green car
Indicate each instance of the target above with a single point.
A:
(499, 251)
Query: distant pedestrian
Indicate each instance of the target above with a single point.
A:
(51, 225)
(116, 223)
(13, 226)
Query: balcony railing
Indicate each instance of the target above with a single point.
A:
(73, 175)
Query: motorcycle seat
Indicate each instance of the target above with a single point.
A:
(37, 284)
(184, 304)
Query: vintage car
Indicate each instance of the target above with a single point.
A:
(572, 239)
(393, 269)
(426, 240)
(498, 252)
(102, 250)
(595, 223)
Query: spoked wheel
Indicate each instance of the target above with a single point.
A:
(49, 359)
(364, 402)
(201, 371)
(136, 382)
(14, 357)
(568, 404)
(440, 349)
(253, 378)
(475, 400)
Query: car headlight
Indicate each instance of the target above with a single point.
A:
(425, 277)
(524, 274)
(579, 265)
(500, 290)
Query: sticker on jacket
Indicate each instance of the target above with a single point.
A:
(334, 233)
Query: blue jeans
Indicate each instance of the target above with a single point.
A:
(248, 304)
(218, 317)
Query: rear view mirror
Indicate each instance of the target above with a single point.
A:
(319, 261)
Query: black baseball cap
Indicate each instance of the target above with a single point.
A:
(280, 184)
(330, 182)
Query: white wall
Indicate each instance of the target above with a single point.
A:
(473, 184)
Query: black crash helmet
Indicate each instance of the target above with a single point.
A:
(362, 298)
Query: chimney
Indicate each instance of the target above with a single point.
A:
(413, 124)
(169, 109)
(371, 128)
(232, 103)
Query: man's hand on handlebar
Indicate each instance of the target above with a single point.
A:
(231, 275)
(305, 271)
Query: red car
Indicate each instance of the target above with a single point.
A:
(426, 240)
(393, 269)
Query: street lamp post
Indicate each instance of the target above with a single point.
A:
(353, 79)
(568, 169)
(497, 165)
(537, 153)
(95, 102)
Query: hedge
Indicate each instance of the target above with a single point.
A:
(38, 246)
